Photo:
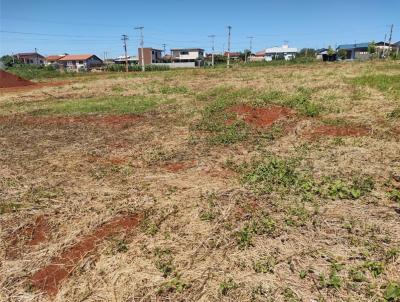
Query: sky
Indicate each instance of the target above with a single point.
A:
(88, 26)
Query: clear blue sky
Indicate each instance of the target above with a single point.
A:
(88, 26)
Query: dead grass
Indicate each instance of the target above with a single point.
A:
(303, 208)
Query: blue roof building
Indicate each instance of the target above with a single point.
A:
(356, 51)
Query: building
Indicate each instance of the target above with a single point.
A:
(131, 60)
(383, 48)
(30, 58)
(80, 62)
(281, 53)
(188, 55)
(233, 55)
(150, 55)
(356, 51)
(323, 55)
(51, 60)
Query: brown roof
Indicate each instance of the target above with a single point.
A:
(232, 54)
(76, 57)
(260, 53)
(54, 58)
(28, 54)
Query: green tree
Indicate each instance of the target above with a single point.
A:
(371, 48)
(307, 52)
(331, 52)
(9, 61)
(342, 53)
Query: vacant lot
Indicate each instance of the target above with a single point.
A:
(276, 183)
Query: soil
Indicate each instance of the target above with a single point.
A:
(261, 117)
(30, 235)
(330, 130)
(8, 80)
(50, 277)
(175, 167)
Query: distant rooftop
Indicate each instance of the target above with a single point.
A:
(282, 49)
(352, 46)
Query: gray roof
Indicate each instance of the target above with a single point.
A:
(188, 49)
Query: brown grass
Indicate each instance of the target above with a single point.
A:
(205, 234)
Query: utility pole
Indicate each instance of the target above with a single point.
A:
(229, 47)
(37, 57)
(251, 46)
(390, 40)
(141, 45)
(125, 38)
(212, 47)
(164, 47)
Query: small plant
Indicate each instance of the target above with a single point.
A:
(164, 261)
(290, 296)
(395, 114)
(226, 286)
(121, 246)
(357, 274)
(173, 285)
(376, 268)
(264, 265)
(173, 90)
(394, 195)
(392, 292)
(263, 225)
(243, 238)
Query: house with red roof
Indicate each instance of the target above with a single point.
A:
(52, 59)
(80, 62)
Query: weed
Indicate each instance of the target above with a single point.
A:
(392, 292)
(302, 103)
(243, 238)
(173, 90)
(263, 225)
(384, 82)
(394, 195)
(264, 265)
(7, 207)
(339, 189)
(376, 268)
(226, 286)
(173, 285)
(164, 261)
(290, 296)
(357, 274)
(121, 246)
(117, 89)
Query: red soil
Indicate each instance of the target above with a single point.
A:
(9, 80)
(261, 117)
(330, 130)
(175, 167)
(50, 277)
(31, 234)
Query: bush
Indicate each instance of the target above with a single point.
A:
(30, 72)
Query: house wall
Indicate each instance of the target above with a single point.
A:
(150, 56)
(189, 56)
(36, 60)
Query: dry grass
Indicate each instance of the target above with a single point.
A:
(230, 212)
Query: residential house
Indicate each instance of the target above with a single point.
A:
(150, 55)
(30, 58)
(195, 55)
(382, 48)
(356, 51)
(52, 59)
(131, 60)
(233, 55)
(281, 53)
(324, 55)
(80, 62)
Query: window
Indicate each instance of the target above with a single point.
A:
(80, 62)
(184, 52)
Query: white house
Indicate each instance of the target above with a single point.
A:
(187, 54)
(130, 59)
(79, 62)
(284, 52)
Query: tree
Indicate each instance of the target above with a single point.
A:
(307, 52)
(342, 54)
(9, 61)
(331, 52)
(371, 48)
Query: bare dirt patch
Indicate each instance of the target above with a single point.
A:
(261, 117)
(331, 130)
(30, 235)
(8, 80)
(50, 277)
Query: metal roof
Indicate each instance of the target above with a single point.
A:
(283, 49)
(352, 46)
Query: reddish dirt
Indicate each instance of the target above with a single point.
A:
(50, 277)
(30, 235)
(330, 130)
(8, 80)
(175, 167)
(261, 117)
(109, 120)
